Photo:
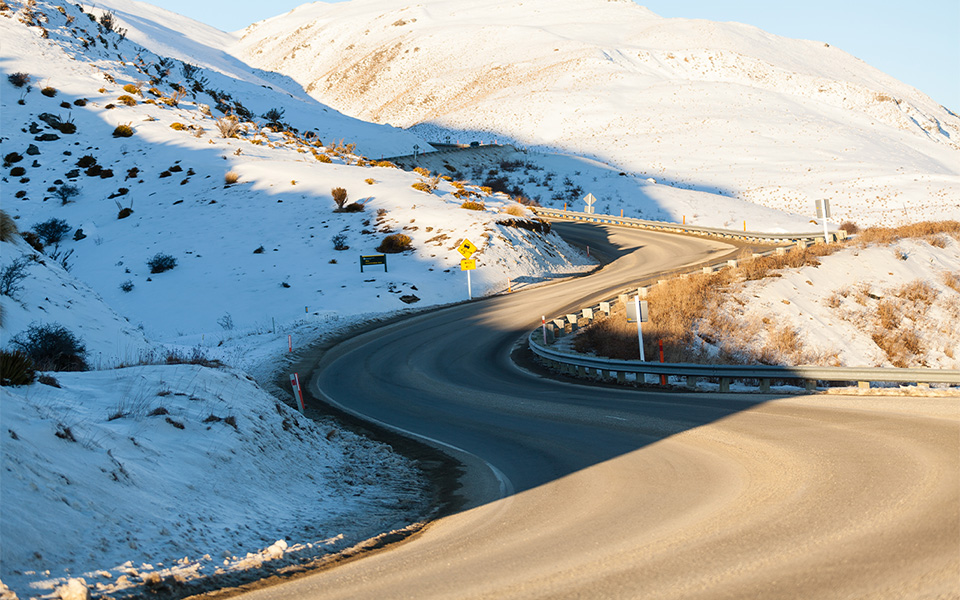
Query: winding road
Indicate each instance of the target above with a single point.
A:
(573, 491)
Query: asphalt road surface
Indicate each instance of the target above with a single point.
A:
(574, 491)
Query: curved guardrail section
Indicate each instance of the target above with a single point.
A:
(615, 370)
(747, 236)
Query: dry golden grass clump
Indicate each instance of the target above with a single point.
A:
(127, 100)
(922, 230)
(231, 177)
(395, 243)
(472, 205)
(8, 227)
(515, 210)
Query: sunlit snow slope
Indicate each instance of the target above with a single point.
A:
(721, 107)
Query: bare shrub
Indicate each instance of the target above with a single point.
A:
(18, 79)
(66, 193)
(228, 126)
(422, 186)
(51, 231)
(127, 100)
(517, 210)
(951, 279)
(850, 227)
(395, 243)
(231, 177)
(161, 262)
(12, 275)
(339, 197)
(8, 227)
(123, 130)
(888, 315)
(472, 205)
(49, 91)
(52, 347)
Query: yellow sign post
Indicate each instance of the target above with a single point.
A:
(468, 264)
(466, 248)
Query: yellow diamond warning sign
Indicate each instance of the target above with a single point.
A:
(466, 248)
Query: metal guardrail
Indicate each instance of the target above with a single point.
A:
(603, 368)
(750, 236)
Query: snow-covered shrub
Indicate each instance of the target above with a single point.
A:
(16, 368)
(51, 231)
(18, 79)
(395, 243)
(126, 286)
(161, 262)
(52, 347)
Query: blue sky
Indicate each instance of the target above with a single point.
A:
(917, 42)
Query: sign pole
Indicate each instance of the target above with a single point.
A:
(469, 291)
(636, 304)
(543, 323)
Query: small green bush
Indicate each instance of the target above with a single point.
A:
(161, 262)
(123, 130)
(16, 368)
(52, 347)
(395, 243)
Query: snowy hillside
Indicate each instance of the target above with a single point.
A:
(721, 108)
(249, 254)
(159, 228)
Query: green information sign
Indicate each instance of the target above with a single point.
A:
(373, 259)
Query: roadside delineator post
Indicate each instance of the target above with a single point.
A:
(289, 343)
(543, 324)
(663, 378)
(297, 392)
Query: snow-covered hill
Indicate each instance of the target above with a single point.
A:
(717, 107)
(251, 254)
(131, 478)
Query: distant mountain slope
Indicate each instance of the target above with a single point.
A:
(720, 107)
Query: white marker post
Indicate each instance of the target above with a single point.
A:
(469, 291)
(637, 312)
(823, 212)
(543, 324)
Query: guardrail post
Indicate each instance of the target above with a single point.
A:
(582, 371)
(732, 264)
(810, 384)
(863, 385)
(623, 298)
(707, 270)
(621, 377)
(692, 382)
(587, 314)
(642, 292)
(764, 385)
(573, 322)
(724, 384)
(781, 251)
(605, 308)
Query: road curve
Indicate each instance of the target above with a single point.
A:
(619, 493)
